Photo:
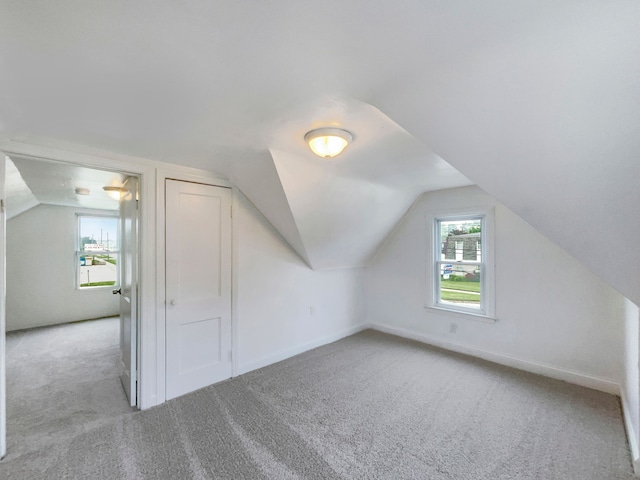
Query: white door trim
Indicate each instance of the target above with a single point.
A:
(152, 174)
(3, 345)
(145, 171)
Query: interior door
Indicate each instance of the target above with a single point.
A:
(129, 287)
(198, 286)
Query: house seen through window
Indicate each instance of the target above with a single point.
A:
(459, 263)
(97, 251)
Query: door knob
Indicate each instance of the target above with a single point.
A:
(173, 302)
(117, 292)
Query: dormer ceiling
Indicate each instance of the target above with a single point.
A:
(341, 209)
(33, 182)
(537, 102)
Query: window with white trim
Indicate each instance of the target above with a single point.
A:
(462, 277)
(97, 251)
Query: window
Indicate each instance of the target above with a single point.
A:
(462, 279)
(97, 251)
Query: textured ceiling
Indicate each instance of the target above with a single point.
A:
(32, 182)
(537, 102)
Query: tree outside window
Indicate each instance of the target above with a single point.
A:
(459, 263)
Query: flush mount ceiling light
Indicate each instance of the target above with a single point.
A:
(328, 142)
(113, 192)
(82, 191)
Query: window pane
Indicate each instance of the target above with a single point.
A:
(460, 240)
(99, 233)
(460, 285)
(97, 270)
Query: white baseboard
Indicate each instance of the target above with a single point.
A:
(152, 401)
(290, 352)
(631, 432)
(577, 378)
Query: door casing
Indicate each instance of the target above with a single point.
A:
(146, 176)
(151, 321)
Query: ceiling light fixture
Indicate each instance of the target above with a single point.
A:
(328, 142)
(82, 191)
(113, 192)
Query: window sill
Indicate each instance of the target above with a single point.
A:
(97, 288)
(479, 317)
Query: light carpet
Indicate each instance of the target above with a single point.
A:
(62, 380)
(368, 406)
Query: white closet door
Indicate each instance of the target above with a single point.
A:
(198, 286)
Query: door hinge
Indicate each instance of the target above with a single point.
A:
(230, 355)
(2, 204)
(231, 211)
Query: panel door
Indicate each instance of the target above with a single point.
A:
(198, 286)
(129, 287)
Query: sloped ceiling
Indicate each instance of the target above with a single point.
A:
(345, 207)
(32, 182)
(18, 196)
(537, 102)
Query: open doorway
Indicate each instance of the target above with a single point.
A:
(63, 365)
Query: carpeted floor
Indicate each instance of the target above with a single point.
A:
(368, 406)
(61, 381)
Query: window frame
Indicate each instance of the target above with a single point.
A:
(486, 312)
(79, 252)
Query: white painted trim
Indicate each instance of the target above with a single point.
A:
(151, 174)
(551, 371)
(161, 324)
(187, 174)
(632, 435)
(488, 244)
(3, 325)
(145, 170)
(76, 155)
(147, 395)
(290, 352)
(235, 192)
(463, 314)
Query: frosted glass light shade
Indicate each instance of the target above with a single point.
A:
(328, 142)
(113, 192)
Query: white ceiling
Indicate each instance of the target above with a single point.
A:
(345, 207)
(32, 182)
(18, 196)
(536, 101)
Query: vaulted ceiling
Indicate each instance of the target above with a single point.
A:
(537, 102)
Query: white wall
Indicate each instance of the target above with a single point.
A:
(630, 390)
(41, 275)
(282, 306)
(554, 316)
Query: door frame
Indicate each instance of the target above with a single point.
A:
(151, 295)
(193, 176)
(145, 172)
(3, 345)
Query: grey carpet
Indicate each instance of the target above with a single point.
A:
(368, 406)
(61, 381)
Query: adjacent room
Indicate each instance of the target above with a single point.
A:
(63, 326)
(274, 240)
